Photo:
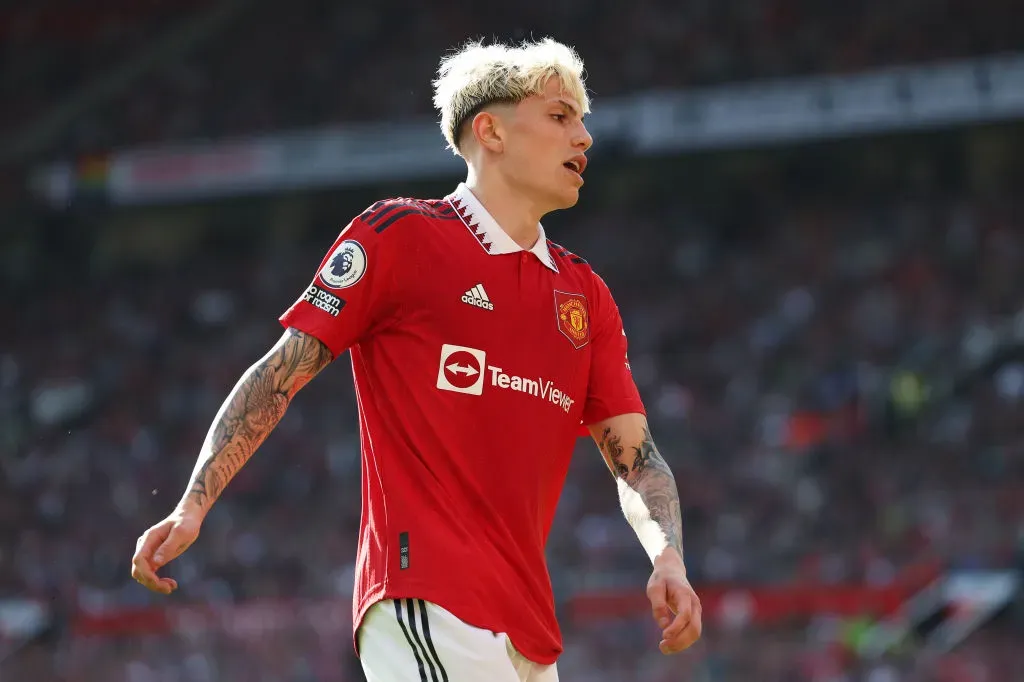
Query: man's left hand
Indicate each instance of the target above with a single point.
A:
(675, 607)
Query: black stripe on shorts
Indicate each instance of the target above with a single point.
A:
(408, 638)
(430, 642)
(411, 610)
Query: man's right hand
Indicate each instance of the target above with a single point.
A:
(160, 545)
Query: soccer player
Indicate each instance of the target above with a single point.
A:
(478, 349)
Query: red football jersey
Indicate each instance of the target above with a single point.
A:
(475, 362)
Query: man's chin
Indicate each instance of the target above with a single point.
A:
(569, 198)
(565, 197)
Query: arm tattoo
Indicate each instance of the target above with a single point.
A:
(649, 494)
(611, 445)
(255, 406)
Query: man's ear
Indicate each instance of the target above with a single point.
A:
(488, 128)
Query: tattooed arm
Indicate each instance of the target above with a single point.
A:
(251, 411)
(647, 488)
(650, 502)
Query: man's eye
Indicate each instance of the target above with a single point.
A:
(558, 117)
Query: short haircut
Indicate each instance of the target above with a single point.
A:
(478, 75)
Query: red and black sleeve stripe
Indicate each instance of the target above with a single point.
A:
(384, 214)
(563, 252)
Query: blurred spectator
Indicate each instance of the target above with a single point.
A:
(817, 364)
(273, 66)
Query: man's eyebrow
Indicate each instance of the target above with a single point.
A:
(568, 105)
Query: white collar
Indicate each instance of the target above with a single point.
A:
(488, 232)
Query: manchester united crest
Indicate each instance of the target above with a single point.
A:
(573, 317)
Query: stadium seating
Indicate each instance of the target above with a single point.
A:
(829, 342)
(316, 62)
(814, 365)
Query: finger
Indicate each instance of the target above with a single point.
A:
(658, 594)
(171, 548)
(142, 567)
(162, 586)
(153, 582)
(684, 640)
(682, 602)
(166, 585)
(686, 606)
(145, 575)
(686, 637)
(150, 540)
(681, 620)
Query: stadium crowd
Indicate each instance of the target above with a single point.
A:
(272, 66)
(830, 372)
(817, 367)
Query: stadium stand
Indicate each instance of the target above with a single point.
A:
(816, 358)
(829, 337)
(317, 62)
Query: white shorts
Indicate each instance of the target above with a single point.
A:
(410, 640)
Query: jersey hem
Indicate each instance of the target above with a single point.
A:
(311, 329)
(457, 608)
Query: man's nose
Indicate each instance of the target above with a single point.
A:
(582, 138)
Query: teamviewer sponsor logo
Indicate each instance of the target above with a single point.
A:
(545, 390)
(461, 370)
(465, 370)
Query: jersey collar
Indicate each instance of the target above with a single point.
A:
(489, 233)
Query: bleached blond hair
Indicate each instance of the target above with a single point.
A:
(477, 75)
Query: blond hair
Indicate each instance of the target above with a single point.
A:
(478, 75)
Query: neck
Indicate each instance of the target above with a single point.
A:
(517, 214)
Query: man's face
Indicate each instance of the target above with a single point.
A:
(545, 135)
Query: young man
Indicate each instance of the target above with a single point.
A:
(478, 348)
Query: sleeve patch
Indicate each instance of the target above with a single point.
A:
(345, 266)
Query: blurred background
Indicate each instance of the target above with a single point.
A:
(810, 214)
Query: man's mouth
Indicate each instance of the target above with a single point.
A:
(576, 164)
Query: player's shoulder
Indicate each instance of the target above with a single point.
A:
(568, 262)
(578, 269)
(386, 214)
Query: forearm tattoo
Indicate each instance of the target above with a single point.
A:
(645, 473)
(255, 406)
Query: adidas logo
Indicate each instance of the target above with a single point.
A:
(478, 297)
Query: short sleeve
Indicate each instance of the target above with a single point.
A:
(611, 390)
(351, 292)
